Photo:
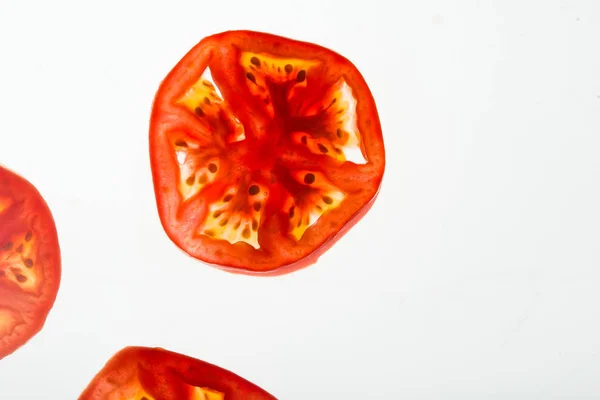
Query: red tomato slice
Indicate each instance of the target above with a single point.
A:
(264, 151)
(141, 373)
(30, 264)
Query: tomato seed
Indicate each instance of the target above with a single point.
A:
(291, 212)
(21, 278)
(309, 178)
(288, 68)
(251, 77)
(20, 248)
(199, 112)
(255, 61)
(338, 132)
(303, 140)
(327, 199)
(189, 181)
(28, 262)
(253, 190)
(246, 233)
(323, 149)
(301, 76)
(212, 167)
(180, 143)
(254, 225)
(28, 236)
(224, 222)
(227, 198)
(257, 206)
(202, 180)
(7, 246)
(207, 101)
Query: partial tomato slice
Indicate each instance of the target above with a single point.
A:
(30, 264)
(264, 151)
(141, 373)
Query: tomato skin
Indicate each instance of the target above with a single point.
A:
(281, 254)
(25, 215)
(166, 375)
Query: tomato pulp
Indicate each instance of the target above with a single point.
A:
(30, 263)
(143, 373)
(264, 151)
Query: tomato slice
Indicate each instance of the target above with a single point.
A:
(30, 263)
(264, 151)
(142, 373)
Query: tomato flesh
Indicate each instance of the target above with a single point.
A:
(142, 373)
(264, 151)
(29, 261)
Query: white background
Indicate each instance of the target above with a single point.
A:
(475, 276)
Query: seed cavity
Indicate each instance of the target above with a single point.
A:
(301, 77)
(199, 112)
(180, 143)
(257, 206)
(212, 167)
(189, 181)
(28, 262)
(253, 190)
(309, 178)
(327, 199)
(288, 68)
(251, 77)
(255, 61)
(323, 149)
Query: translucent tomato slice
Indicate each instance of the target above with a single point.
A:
(30, 263)
(264, 151)
(142, 373)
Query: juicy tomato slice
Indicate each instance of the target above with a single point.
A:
(30, 263)
(264, 151)
(142, 373)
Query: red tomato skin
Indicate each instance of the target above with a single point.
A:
(245, 261)
(165, 373)
(33, 308)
